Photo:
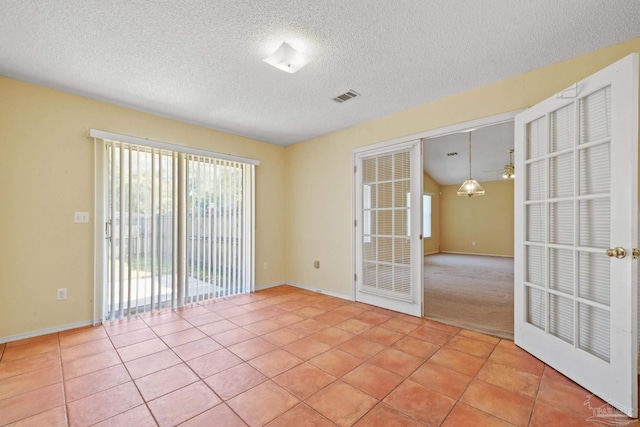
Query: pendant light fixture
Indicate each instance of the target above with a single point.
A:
(470, 187)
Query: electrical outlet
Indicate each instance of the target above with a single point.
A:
(266, 265)
(473, 243)
(62, 294)
(81, 217)
(316, 264)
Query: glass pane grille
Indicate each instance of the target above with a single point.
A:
(535, 222)
(402, 163)
(561, 223)
(386, 246)
(385, 168)
(536, 181)
(562, 128)
(400, 191)
(595, 116)
(402, 279)
(561, 317)
(402, 251)
(594, 223)
(385, 249)
(561, 270)
(536, 138)
(535, 307)
(400, 223)
(594, 170)
(385, 195)
(385, 223)
(370, 272)
(594, 331)
(370, 249)
(559, 173)
(594, 272)
(385, 278)
(535, 265)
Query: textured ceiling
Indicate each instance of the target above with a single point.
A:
(201, 61)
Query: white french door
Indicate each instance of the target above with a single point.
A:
(576, 229)
(388, 245)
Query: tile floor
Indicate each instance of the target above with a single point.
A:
(282, 357)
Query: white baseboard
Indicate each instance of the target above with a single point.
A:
(90, 322)
(475, 253)
(431, 253)
(307, 288)
(47, 331)
(269, 285)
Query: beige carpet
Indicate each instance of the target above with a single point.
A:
(470, 291)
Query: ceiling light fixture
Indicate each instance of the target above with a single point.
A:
(287, 58)
(470, 187)
(509, 170)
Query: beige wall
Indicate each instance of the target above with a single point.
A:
(485, 220)
(46, 173)
(319, 172)
(432, 244)
(304, 199)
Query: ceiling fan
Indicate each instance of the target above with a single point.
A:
(508, 171)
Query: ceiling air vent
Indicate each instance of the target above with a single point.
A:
(455, 153)
(346, 96)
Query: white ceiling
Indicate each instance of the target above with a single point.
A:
(200, 61)
(489, 154)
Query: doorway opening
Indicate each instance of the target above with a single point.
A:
(473, 292)
(468, 268)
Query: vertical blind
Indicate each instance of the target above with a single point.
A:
(179, 228)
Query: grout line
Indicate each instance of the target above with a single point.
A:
(145, 403)
(64, 383)
(535, 401)
(312, 301)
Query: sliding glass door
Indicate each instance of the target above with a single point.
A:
(178, 227)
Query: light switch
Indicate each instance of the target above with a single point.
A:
(81, 217)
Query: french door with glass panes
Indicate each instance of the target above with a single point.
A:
(576, 233)
(388, 245)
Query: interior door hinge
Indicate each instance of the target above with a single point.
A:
(355, 277)
(107, 230)
(355, 222)
(354, 169)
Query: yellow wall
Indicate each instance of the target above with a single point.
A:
(485, 220)
(46, 173)
(303, 205)
(319, 172)
(432, 244)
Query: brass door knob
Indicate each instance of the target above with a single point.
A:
(617, 252)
